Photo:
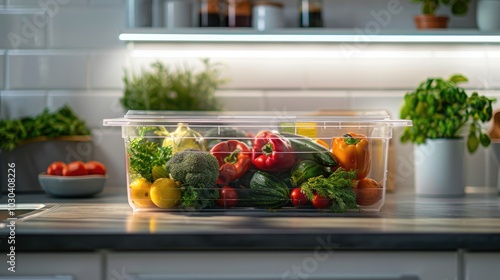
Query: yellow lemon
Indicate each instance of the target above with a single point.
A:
(165, 193)
(139, 193)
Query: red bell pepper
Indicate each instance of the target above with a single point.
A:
(234, 158)
(272, 152)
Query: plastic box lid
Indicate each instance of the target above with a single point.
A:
(231, 118)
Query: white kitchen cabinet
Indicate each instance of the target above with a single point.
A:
(482, 265)
(53, 266)
(313, 265)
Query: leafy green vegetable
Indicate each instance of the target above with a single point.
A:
(198, 198)
(440, 109)
(60, 123)
(338, 187)
(198, 172)
(165, 89)
(144, 155)
(458, 7)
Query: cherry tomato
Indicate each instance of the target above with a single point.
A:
(56, 168)
(95, 167)
(75, 168)
(298, 198)
(320, 202)
(228, 197)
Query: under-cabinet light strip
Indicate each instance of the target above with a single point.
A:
(336, 54)
(277, 38)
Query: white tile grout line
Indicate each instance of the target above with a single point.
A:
(6, 63)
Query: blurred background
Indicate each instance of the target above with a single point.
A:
(57, 52)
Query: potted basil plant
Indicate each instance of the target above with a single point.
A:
(441, 111)
(429, 19)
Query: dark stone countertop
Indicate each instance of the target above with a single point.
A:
(406, 222)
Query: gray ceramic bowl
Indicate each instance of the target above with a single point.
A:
(72, 186)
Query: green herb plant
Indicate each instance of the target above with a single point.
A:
(144, 155)
(164, 88)
(440, 109)
(63, 122)
(458, 7)
(338, 186)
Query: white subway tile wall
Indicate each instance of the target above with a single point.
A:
(306, 100)
(36, 3)
(86, 27)
(84, 102)
(242, 100)
(70, 54)
(107, 68)
(22, 28)
(47, 69)
(18, 104)
(106, 2)
(2, 66)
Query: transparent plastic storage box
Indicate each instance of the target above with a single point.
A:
(256, 161)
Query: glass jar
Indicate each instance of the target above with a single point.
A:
(310, 13)
(212, 13)
(239, 13)
(267, 15)
(139, 13)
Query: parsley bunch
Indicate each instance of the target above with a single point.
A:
(144, 155)
(338, 187)
(60, 123)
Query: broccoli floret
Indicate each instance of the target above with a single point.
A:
(193, 167)
(198, 171)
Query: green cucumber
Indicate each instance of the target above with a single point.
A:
(304, 170)
(265, 191)
(306, 149)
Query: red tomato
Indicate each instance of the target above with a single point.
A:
(320, 202)
(95, 167)
(56, 168)
(298, 198)
(228, 197)
(75, 168)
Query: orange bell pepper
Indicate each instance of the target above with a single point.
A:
(353, 153)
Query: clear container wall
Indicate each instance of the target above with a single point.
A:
(210, 162)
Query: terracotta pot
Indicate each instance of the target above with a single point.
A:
(431, 21)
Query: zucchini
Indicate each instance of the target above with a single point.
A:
(306, 149)
(159, 172)
(265, 191)
(217, 135)
(304, 170)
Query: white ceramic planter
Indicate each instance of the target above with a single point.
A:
(439, 168)
(488, 15)
(495, 146)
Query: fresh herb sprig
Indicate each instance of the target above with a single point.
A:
(63, 122)
(338, 186)
(180, 88)
(144, 154)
